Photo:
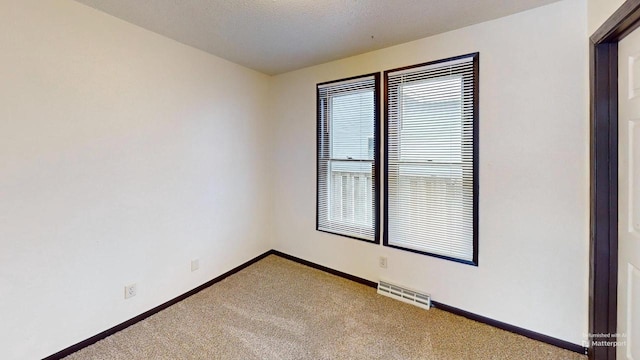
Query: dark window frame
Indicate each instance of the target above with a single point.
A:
(476, 96)
(375, 178)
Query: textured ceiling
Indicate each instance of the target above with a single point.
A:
(277, 36)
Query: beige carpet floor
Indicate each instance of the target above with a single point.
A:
(278, 309)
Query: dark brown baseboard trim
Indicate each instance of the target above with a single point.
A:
(92, 340)
(325, 269)
(504, 326)
(512, 328)
(485, 320)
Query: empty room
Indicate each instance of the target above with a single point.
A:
(339, 179)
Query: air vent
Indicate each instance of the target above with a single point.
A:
(405, 295)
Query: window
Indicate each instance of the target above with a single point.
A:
(431, 170)
(347, 159)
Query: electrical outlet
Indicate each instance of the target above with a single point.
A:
(195, 264)
(383, 262)
(130, 291)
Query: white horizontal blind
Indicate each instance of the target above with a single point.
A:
(430, 129)
(346, 200)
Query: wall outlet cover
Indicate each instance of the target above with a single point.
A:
(130, 291)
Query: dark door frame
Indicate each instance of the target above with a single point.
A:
(603, 272)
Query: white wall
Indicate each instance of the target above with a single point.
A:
(123, 155)
(599, 12)
(534, 220)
